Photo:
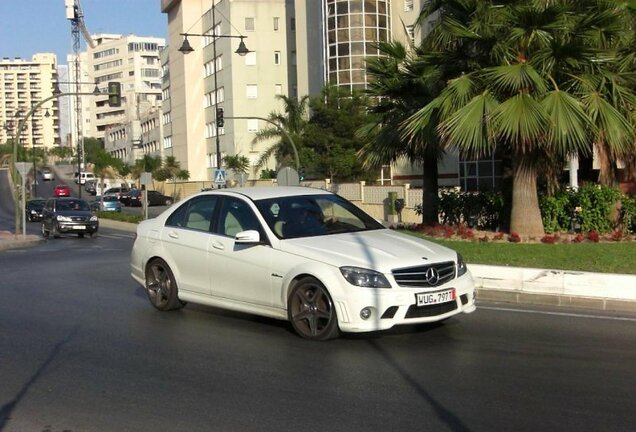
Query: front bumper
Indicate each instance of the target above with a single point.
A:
(397, 306)
(78, 227)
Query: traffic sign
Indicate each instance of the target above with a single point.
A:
(219, 176)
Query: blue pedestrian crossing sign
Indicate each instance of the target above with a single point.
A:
(219, 176)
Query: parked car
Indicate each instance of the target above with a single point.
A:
(134, 198)
(62, 190)
(83, 177)
(107, 203)
(47, 174)
(116, 191)
(299, 254)
(34, 209)
(68, 215)
(89, 187)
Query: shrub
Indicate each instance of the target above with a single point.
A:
(513, 237)
(549, 239)
(593, 236)
(617, 235)
(578, 238)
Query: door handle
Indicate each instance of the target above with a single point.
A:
(218, 245)
(173, 235)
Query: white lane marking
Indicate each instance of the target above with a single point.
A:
(565, 314)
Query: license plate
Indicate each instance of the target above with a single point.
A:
(424, 299)
(81, 227)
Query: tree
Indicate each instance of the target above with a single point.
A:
(519, 91)
(147, 163)
(401, 84)
(104, 166)
(237, 163)
(171, 169)
(293, 122)
(331, 144)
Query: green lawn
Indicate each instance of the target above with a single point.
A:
(618, 257)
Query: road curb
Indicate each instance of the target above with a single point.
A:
(601, 291)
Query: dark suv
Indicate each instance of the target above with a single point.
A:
(68, 215)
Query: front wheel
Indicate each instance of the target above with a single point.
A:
(162, 286)
(311, 311)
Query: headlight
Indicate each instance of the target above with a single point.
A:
(93, 218)
(364, 278)
(61, 218)
(461, 266)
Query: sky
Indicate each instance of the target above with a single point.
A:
(28, 27)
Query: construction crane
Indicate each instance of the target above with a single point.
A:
(75, 15)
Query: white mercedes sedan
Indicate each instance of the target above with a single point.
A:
(298, 254)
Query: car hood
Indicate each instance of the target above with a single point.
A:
(381, 250)
(75, 213)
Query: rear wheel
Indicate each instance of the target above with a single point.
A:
(168, 202)
(162, 286)
(311, 311)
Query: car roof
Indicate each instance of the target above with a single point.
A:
(259, 193)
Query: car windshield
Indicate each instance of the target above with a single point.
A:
(70, 205)
(314, 215)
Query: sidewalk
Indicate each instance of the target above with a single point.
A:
(597, 291)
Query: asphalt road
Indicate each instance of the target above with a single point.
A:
(81, 349)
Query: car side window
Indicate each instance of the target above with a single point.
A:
(237, 216)
(195, 214)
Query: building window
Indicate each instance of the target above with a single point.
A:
(250, 58)
(167, 142)
(252, 125)
(480, 174)
(278, 89)
(410, 31)
(276, 57)
(276, 21)
(251, 91)
(292, 24)
(210, 130)
(408, 5)
(249, 24)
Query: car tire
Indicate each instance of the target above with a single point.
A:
(56, 233)
(162, 286)
(311, 310)
(80, 235)
(168, 202)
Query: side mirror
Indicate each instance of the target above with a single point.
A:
(248, 237)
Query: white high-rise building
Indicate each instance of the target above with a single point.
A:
(130, 60)
(243, 86)
(23, 85)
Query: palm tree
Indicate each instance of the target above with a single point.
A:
(147, 163)
(519, 92)
(401, 84)
(104, 166)
(171, 169)
(237, 163)
(293, 122)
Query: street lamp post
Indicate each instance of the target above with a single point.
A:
(242, 50)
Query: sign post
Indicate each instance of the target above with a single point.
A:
(23, 168)
(219, 177)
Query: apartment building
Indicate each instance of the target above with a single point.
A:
(137, 138)
(243, 86)
(23, 85)
(131, 60)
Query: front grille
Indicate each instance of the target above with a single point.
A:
(431, 310)
(430, 275)
(79, 218)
